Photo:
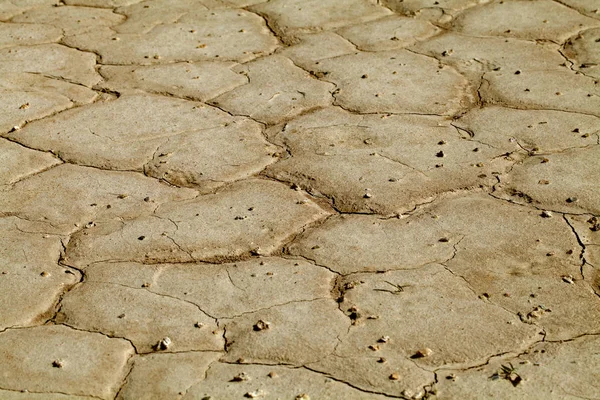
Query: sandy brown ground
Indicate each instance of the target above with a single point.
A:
(299, 199)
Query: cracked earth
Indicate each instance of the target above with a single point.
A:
(299, 199)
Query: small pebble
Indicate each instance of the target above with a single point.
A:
(546, 214)
(272, 374)
(567, 279)
(261, 325)
(198, 325)
(303, 396)
(255, 394)
(425, 352)
(241, 377)
(384, 339)
(382, 360)
(57, 363)
(45, 274)
(571, 199)
(374, 347)
(164, 343)
(394, 376)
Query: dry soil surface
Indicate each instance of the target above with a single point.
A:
(299, 199)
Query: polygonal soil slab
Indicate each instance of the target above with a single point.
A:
(10, 395)
(382, 164)
(17, 107)
(271, 382)
(294, 16)
(534, 131)
(182, 142)
(29, 265)
(10, 8)
(51, 60)
(27, 34)
(311, 49)
(565, 182)
(59, 359)
(554, 371)
(19, 161)
(525, 19)
(68, 197)
(553, 90)
(586, 7)
(224, 290)
(583, 51)
(166, 375)
(71, 20)
(252, 216)
(143, 16)
(474, 55)
(412, 7)
(49, 95)
(531, 263)
(296, 333)
(101, 3)
(277, 90)
(229, 35)
(200, 81)
(142, 317)
(397, 82)
(388, 33)
(397, 314)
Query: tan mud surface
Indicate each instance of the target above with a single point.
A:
(299, 199)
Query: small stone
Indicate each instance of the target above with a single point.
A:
(544, 182)
(146, 284)
(394, 376)
(374, 347)
(255, 394)
(122, 196)
(571, 199)
(425, 352)
(272, 374)
(45, 274)
(384, 339)
(198, 325)
(57, 363)
(368, 195)
(546, 214)
(567, 279)
(365, 76)
(261, 325)
(164, 343)
(303, 396)
(241, 377)
(382, 360)
(439, 154)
